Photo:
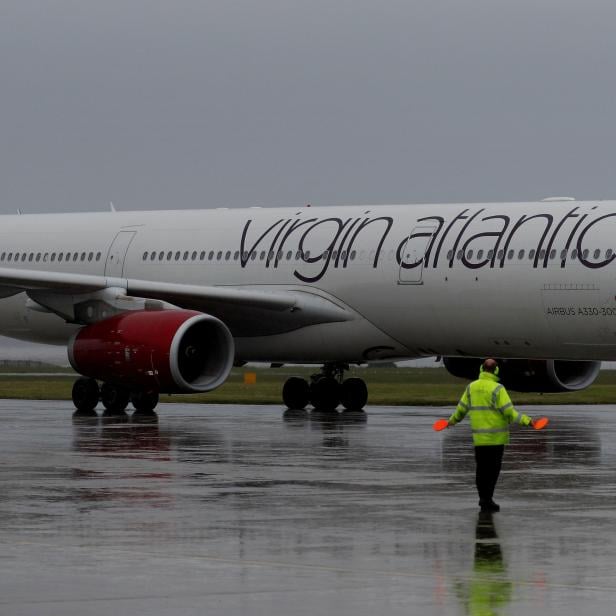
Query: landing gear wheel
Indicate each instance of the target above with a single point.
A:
(325, 393)
(144, 401)
(296, 393)
(114, 398)
(353, 394)
(85, 395)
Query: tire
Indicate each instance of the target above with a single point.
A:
(85, 394)
(296, 393)
(114, 398)
(354, 394)
(325, 393)
(144, 401)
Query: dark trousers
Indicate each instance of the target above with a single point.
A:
(489, 459)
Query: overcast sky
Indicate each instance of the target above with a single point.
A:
(211, 103)
(188, 104)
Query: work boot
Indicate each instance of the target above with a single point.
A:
(488, 505)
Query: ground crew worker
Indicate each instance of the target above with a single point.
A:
(491, 412)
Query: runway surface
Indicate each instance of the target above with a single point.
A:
(248, 510)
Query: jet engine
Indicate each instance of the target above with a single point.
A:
(169, 351)
(536, 375)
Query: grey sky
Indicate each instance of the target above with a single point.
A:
(228, 103)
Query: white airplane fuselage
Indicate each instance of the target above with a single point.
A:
(532, 280)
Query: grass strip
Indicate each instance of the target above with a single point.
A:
(387, 386)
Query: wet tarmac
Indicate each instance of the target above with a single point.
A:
(248, 510)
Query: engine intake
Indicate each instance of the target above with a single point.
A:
(536, 375)
(170, 351)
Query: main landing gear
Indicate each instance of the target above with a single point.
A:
(115, 398)
(326, 390)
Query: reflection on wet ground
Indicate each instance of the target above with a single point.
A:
(252, 510)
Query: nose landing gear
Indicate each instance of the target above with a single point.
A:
(326, 390)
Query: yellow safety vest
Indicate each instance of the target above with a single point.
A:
(491, 411)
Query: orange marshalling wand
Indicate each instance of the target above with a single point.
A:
(440, 424)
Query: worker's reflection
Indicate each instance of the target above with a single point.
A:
(489, 589)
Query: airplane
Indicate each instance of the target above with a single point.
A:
(169, 301)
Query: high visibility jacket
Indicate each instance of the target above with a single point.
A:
(491, 411)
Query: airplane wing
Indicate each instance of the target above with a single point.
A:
(247, 311)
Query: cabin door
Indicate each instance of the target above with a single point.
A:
(114, 266)
(414, 254)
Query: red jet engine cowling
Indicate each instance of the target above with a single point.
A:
(170, 351)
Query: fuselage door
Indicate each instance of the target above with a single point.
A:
(413, 254)
(114, 266)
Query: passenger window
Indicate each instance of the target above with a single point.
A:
(202, 255)
(298, 255)
(38, 257)
(98, 256)
(501, 254)
(521, 254)
(60, 257)
(585, 254)
(469, 255)
(24, 256)
(553, 253)
(194, 255)
(145, 255)
(152, 256)
(353, 255)
(262, 257)
(170, 255)
(542, 253)
(31, 256)
(574, 254)
(510, 255)
(90, 256)
(161, 255)
(608, 253)
(449, 255)
(227, 255)
(531, 255)
(186, 255)
(459, 255)
(53, 256)
(334, 254)
(3, 256)
(480, 254)
(563, 254)
(253, 255)
(290, 255)
(10, 257)
(211, 255)
(177, 255)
